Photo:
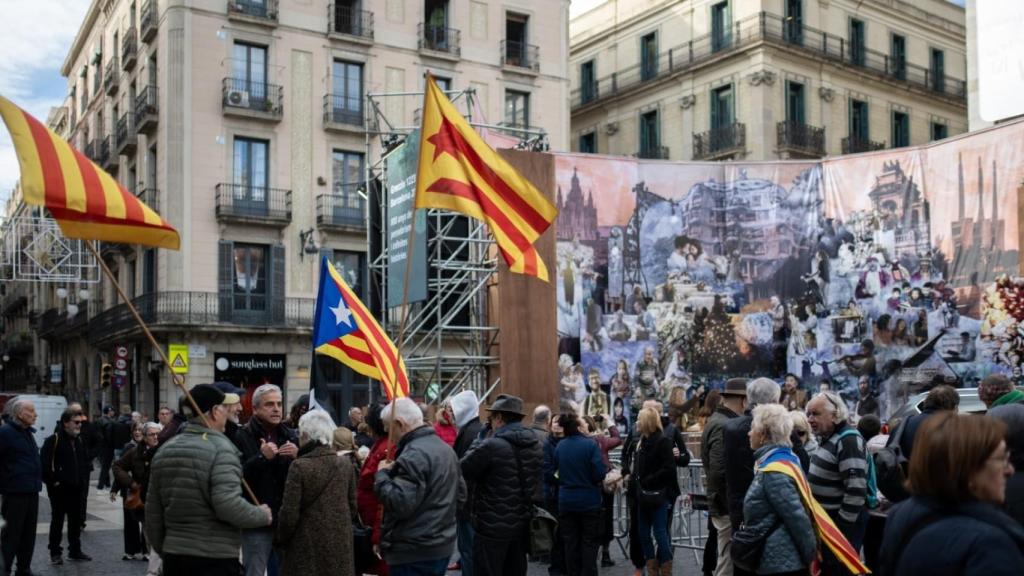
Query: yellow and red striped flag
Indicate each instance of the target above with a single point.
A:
(345, 330)
(87, 202)
(458, 171)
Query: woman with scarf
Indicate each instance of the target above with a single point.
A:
(773, 510)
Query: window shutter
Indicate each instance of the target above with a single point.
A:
(225, 279)
(277, 288)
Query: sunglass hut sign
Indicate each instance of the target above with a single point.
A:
(249, 363)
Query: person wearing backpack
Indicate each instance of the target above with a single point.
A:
(839, 472)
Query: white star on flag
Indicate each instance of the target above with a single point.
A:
(341, 314)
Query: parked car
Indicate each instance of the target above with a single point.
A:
(969, 404)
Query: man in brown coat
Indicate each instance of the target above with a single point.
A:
(314, 524)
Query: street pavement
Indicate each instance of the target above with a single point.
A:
(103, 539)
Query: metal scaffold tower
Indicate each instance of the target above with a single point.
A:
(448, 339)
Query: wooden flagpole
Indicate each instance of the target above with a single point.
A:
(178, 380)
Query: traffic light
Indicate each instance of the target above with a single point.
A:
(106, 372)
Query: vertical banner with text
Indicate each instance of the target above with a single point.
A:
(400, 167)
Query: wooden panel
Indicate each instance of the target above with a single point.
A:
(525, 306)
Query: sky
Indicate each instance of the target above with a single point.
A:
(35, 36)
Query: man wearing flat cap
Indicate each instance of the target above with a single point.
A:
(502, 473)
(194, 507)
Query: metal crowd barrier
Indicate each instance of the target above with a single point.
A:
(689, 512)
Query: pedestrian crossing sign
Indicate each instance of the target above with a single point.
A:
(178, 353)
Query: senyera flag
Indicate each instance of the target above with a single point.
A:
(346, 331)
(458, 171)
(85, 201)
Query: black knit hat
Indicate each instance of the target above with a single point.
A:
(206, 396)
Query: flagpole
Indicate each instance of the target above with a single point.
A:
(177, 379)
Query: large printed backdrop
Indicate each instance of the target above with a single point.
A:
(873, 267)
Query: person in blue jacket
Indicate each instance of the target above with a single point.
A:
(580, 473)
(21, 479)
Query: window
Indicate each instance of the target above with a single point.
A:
(649, 56)
(794, 24)
(856, 42)
(352, 267)
(249, 70)
(588, 82)
(132, 178)
(722, 113)
(435, 13)
(900, 129)
(149, 271)
(517, 109)
(347, 92)
(795, 103)
(516, 40)
(939, 131)
(898, 57)
(938, 70)
(445, 84)
(132, 283)
(151, 180)
(250, 278)
(858, 120)
(346, 171)
(347, 17)
(588, 143)
(151, 69)
(721, 27)
(650, 137)
(251, 175)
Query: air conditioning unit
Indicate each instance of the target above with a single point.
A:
(238, 98)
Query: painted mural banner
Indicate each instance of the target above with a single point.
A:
(873, 275)
(400, 171)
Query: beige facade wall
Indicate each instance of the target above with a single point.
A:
(609, 35)
(192, 54)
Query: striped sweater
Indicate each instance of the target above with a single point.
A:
(838, 475)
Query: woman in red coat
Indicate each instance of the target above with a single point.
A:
(366, 499)
(445, 425)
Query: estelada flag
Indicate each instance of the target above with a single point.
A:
(345, 330)
(458, 171)
(85, 201)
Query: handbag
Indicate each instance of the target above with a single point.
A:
(362, 548)
(133, 501)
(650, 498)
(541, 527)
(748, 546)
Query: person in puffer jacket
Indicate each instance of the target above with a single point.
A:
(502, 471)
(772, 504)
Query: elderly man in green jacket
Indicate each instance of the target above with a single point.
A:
(194, 507)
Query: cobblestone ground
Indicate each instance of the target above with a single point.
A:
(103, 540)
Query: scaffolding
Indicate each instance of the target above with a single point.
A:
(448, 340)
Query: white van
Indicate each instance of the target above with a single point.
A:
(48, 411)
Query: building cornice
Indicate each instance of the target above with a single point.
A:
(84, 31)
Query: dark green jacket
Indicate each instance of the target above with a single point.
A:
(195, 506)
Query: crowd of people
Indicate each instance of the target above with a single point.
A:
(400, 488)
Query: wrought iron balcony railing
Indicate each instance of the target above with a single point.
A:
(344, 209)
(108, 153)
(150, 197)
(111, 79)
(126, 138)
(520, 55)
(343, 111)
(148, 20)
(801, 138)
(440, 40)
(854, 144)
(257, 204)
(653, 153)
(721, 141)
(346, 20)
(146, 109)
(252, 98)
(129, 48)
(264, 11)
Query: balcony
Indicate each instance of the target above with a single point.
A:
(520, 57)
(763, 27)
(111, 79)
(109, 159)
(129, 49)
(800, 140)
(345, 210)
(150, 197)
(19, 344)
(855, 144)
(344, 22)
(440, 42)
(262, 12)
(126, 138)
(253, 204)
(252, 99)
(653, 153)
(146, 110)
(720, 143)
(92, 150)
(148, 20)
(168, 311)
(343, 113)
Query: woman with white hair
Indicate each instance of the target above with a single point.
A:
(131, 472)
(314, 526)
(773, 510)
